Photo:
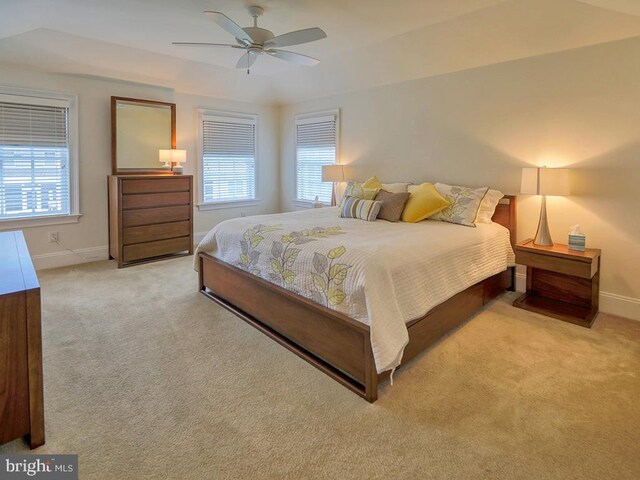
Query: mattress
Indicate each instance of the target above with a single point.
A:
(379, 273)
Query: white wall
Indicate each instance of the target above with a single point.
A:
(478, 127)
(90, 235)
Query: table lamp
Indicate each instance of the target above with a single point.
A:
(173, 158)
(165, 158)
(544, 181)
(334, 174)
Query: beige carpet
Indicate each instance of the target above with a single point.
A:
(145, 378)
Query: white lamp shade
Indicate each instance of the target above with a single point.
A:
(545, 181)
(529, 185)
(554, 181)
(172, 156)
(164, 156)
(332, 173)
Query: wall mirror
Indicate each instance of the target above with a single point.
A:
(139, 129)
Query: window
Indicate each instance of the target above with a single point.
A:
(316, 145)
(227, 158)
(37, 156)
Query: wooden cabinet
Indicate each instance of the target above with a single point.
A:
(21, 393)
(561, 283)
(150, 217)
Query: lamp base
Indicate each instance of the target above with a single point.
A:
(543, 237)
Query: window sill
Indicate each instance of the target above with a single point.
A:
(306, 204)
(11, 223)
(220, 205)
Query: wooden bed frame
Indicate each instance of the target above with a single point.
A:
(329, 340)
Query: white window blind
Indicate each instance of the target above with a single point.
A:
(34, 157)
(228, 159)
(315, 146)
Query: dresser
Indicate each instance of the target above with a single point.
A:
(21, 393)
(150, 217)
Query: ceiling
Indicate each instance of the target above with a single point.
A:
(370, 43)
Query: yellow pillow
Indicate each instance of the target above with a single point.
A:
(423, 202)
(373, 183)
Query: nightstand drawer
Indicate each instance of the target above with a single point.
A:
(556, 264)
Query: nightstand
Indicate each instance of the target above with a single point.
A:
(561, 283)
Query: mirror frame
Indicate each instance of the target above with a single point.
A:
(114, 137)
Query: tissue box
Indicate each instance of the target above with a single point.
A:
(577, 242)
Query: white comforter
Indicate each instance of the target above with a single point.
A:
(380, 273)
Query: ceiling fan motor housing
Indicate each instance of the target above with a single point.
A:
(259, 35)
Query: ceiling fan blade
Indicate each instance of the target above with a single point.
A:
(296, 38)
(293, 57)
(230, 26)
(246, 60)
(204, 44)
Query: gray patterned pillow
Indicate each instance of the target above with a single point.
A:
(465, 203)
(392, 205)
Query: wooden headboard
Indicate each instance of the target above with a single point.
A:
(506, 216)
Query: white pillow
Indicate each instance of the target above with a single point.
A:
(488, 206)
(400, 187)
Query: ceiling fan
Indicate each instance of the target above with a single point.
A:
(258, 41)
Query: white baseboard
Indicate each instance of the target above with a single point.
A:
(66, 258)
(612, 303)
(620, 305)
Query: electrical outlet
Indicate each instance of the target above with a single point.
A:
(243, 214)
(53, 237)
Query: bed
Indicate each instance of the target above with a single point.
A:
(355, 298)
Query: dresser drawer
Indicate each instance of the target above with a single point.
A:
(148, 216)
(156, 185)
(146, 200)
(155, 249)
(555, 264)
(150, 233)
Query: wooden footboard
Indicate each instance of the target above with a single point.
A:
(332, 342)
